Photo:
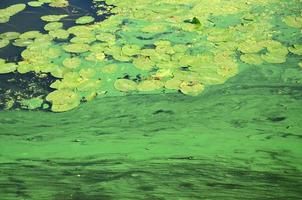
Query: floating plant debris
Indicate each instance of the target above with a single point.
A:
(171, 45)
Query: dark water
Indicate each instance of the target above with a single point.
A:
(239, 140)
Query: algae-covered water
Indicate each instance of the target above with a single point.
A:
(164, 99)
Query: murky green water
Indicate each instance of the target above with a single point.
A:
(236, 140)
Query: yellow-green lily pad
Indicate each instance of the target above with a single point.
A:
(192, 89)
(63, 100)
(296, 49)
(53, 26)
(125, 85)
(53, 18)
(7, 67)
(149, 85)
(253, 59)
(76, 48)
(84, 20)
(4, 43)
(72, 63)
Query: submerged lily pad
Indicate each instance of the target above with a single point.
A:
(32, 103)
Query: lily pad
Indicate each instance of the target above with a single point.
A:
(84, 20)
(7, 67)
(9, 35)
(296, 49)
(192, 89)
(7, 13)
(253, 59)
(35, 3)
(76, 48)
(72, 63)
(130, 50)
(53, 26)
(125, 85)
(4, 43)
(53, 18)
(63, 100)
(149, 85)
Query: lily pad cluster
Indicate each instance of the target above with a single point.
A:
(149, 47)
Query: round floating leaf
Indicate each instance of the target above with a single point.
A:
(293, 21)
(8, 12)
(63, 100)
(9, 35)
(84, 20)
(296, 49)
(253, 59)
(53, 18)
(22, 42)
(59, 3)
(192, 89)
(35, 3)
(273, 58)
(3, 43)
(31, 104)
(125, 85)
(143, 63)
(106, 37)
(72, 63)
(30, 35)
(95, 57)
(59, 34)
(173, 84)
(76, 48)
(53, 26)
(7, 67)
(250, 46)
(149, 85)
(130, 50)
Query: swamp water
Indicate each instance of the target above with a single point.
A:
(151, 100)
